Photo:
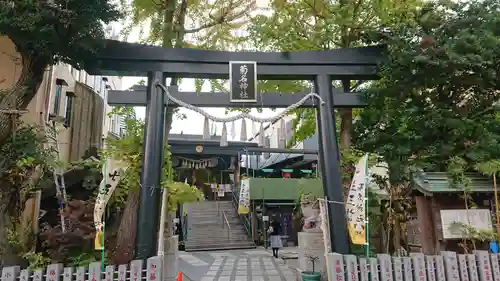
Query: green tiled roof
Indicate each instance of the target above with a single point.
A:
(438, 182)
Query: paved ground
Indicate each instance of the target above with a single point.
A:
(234, 265)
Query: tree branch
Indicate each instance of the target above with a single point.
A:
(225, 17)
(205, 26)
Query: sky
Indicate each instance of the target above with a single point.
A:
(193, 124)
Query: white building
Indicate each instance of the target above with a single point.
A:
(277, 135)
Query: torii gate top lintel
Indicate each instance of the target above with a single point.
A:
(131, 59)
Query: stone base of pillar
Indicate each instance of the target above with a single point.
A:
(311, 244)
(171, 259)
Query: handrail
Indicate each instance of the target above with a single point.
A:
(228, 225)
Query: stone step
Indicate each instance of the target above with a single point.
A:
(204, 235)
(215, 224)
(220, 246)
(221, 240)
(208, 228)
(222, 234)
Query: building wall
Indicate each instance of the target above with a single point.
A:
(88, 92)
(274, 139)
(284, 189)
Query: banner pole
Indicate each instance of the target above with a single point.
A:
(103, 251)
(367, 230)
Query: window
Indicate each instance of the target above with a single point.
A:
(57, 97)
(69, 107)
(57, 100)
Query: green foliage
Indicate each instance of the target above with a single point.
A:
(84, 259)
(321, 25)
(24, 155)
(36, 260)
(210, 26)
(434, 100)
(129, 150)
(67, 30)
(472, 233)
(490, 168)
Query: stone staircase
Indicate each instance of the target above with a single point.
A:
(208, 229)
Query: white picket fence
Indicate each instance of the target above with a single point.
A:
(480, 266)
(57, 272)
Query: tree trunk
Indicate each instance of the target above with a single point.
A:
(22, 93)
(345, 127)
(396, 239)
(125, 240)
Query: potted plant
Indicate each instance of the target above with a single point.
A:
(311, 275)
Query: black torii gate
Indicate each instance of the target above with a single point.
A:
(128, 59)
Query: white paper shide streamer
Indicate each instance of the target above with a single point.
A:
(224, 120)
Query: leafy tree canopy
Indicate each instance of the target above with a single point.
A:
(436, 99)
(129, 150)
(56, 30)
(323, 25)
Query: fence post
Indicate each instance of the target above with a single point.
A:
(440, 272)
(351, 265)
(54, 272)
(462, 265)
(484, 265)
(136, 270)
(431, 269)
(109, 274)
(10, 273)
(122, 272)
(397, 268)
(472, 263)
(25, 275)
(80, 273)
(363, 269)
(418, 266)
(385, 267)
(95, 271)
(335, 267)
(38, 275)
(407, 270)
(374, 270)
(495, 267)
(154, 269)
(451, 266)
(68, 274)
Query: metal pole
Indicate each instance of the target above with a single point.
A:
(150, 192)
(330, 166)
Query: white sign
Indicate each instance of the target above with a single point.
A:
(476, 218)
(265, 218)
(244, 201)
(111, 171)
(356, 205)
